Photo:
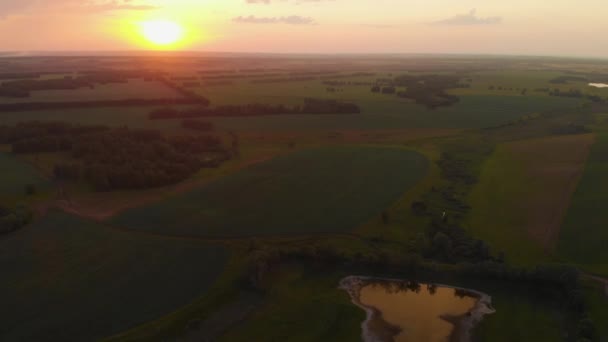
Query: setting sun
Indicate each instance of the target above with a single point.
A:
(162, 32)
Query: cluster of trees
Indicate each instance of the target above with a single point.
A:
(310, 106)
(25, 134)
(186, 93)
(284, 79)
(347, 83)
(27, 106)
(574, 93)
(119, 158)
(427, 90)
(567, 79)
(19, 75)
(13, 219)
(22, 87)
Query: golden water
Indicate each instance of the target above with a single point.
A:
(417, 313)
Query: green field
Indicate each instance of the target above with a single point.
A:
(65, 279)
(311, 191)
(389, 112)
(584, 236)
(16, 175)
(378, 112)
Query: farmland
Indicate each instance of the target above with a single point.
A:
(85, 281)
(295, 194)
(524, 192)
(583, 238)
(237, 217)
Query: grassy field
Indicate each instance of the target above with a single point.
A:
(66, 279)
(523, 193)
(324, 190)
(16, 175)
(583, 235)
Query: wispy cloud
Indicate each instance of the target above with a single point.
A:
(470, 18)
(290, 20)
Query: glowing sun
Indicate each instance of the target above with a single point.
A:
(162, 32)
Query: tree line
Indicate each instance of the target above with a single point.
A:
(310, 106)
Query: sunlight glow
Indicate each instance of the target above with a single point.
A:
(162, 32)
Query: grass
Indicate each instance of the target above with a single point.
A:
(302, 305)
(67, 279)
(597, 303)
(523, 193)
(16, 175)
(323, 190)
(583, 235)
(519, 318)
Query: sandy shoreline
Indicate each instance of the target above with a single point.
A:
(375, 329)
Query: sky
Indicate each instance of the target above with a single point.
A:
(513, 27)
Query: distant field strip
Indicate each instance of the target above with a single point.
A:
(15, 175)
(66, 279)
(324, 190)
(584, 234)
(524, 192)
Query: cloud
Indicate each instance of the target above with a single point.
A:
(470, 18)
(290, 20)
(12, 7)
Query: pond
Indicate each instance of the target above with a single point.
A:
(400, 311)
(598, 85)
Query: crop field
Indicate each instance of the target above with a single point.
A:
(524, 193)
(133, 89)
(583, 235)
(16, 175)
(66, 279)
(311, 191)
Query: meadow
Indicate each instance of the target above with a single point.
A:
(68, 279)
(325, 190)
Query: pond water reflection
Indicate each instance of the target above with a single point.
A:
(407, 311)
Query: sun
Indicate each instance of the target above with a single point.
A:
(162, 32)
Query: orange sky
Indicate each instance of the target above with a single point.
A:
(557, 27)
